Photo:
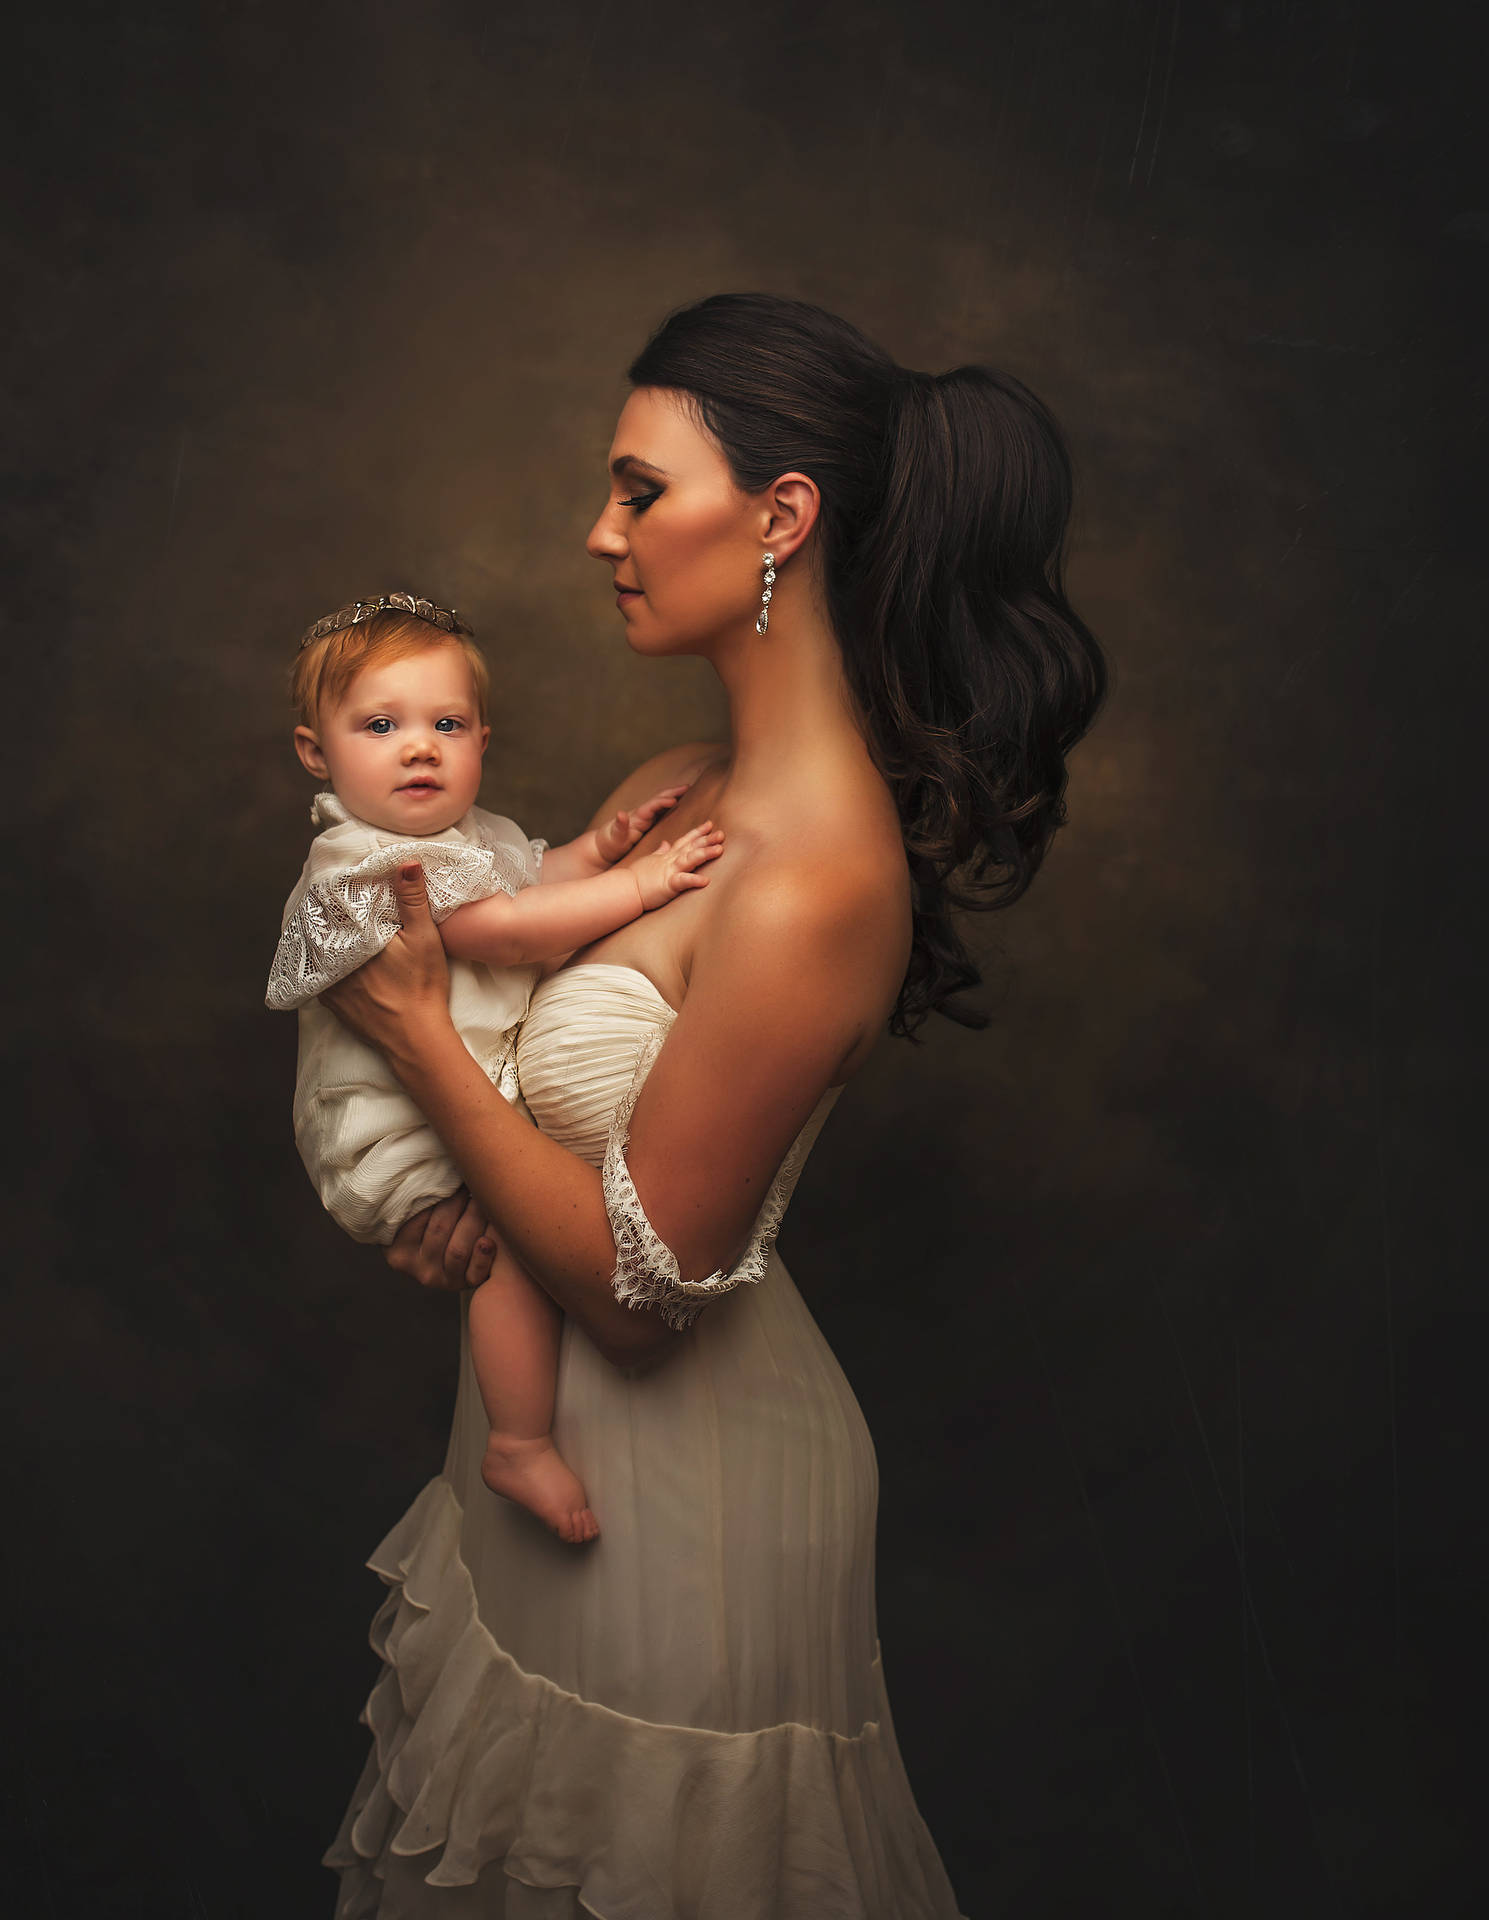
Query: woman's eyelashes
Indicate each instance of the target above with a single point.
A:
(641, 501)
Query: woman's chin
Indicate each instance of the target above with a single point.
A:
(657, 646)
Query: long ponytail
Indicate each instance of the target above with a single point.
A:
(945, 503)
(975, 674)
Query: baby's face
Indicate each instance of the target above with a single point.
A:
(403, 749)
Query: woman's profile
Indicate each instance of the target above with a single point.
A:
(686, 1718)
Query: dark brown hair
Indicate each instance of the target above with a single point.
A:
(945, 503)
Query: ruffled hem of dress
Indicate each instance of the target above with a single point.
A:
(476, 1761)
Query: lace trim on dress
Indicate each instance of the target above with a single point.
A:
(347, 917)
(646, 1269)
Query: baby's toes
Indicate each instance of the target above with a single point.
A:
(576, 1527)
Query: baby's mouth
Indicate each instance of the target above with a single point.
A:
(423, 784)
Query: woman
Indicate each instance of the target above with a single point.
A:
(688, 1718)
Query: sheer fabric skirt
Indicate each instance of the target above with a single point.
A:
(685, 1720)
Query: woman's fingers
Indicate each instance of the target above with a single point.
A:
(467, 1232)
(412, 895)
(402, 1252)
(438, 1229)
(448, 1247)
(408, 978)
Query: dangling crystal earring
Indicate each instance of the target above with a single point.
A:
(762, 619)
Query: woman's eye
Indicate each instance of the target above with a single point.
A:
(641, 501)
(383, 725)
(447, 725)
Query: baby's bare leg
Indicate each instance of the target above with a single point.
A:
(514, 1329)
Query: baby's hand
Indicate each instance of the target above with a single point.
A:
(673, 869)
(617, 837)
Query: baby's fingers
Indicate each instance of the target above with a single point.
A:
(659, 803)
(700, 846)
(685, 859)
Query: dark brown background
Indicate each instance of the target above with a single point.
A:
(1160, 1295)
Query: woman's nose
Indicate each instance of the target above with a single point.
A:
(606, 541)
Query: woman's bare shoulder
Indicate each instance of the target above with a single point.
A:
(838, 908)
(667, 769)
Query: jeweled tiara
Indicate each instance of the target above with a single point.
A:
(445, 618)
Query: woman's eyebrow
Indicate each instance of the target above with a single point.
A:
(633, 463)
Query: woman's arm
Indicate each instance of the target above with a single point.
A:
(778, 997)
(795, 968)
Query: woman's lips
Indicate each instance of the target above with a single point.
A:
(624, 595)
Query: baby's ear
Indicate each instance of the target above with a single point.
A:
(485, 738)
(308, 746)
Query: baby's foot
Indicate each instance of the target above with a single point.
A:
(534, 1474)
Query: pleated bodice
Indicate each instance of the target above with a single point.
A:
(741, 1462)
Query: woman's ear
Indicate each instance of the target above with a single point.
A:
(792, 505)
(308, 746)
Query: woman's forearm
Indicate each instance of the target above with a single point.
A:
(545, 1203)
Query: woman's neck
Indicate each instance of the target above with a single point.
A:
(789, 702)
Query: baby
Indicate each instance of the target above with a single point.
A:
(392, 700)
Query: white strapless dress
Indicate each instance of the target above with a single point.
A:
(686, 1720)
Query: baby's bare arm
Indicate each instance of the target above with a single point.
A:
(540, 923)
(601, 846)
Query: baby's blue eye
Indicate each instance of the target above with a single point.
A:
(447, 725)
(380, 725)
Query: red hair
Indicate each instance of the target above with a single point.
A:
(327, 667)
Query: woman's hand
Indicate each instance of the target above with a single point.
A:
(449, 1246)
(405, 989)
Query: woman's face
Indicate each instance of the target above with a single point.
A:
(684, 541)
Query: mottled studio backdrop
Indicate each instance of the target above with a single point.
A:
(1159, 1295)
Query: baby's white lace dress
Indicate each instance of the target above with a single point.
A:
(343, 910)
(369, 1152)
